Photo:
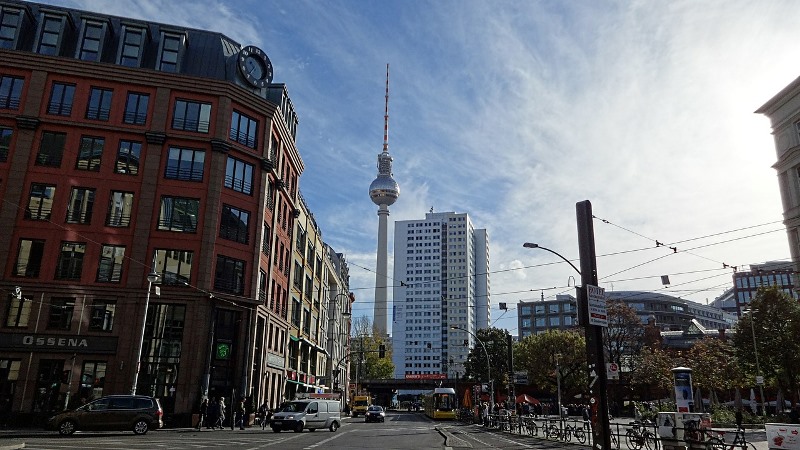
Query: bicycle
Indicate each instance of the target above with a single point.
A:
(693, 434)
(739, 440)
(551, 430)
(640, 436)
(529, 425)
(574, 430)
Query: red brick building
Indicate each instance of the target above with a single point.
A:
(128, 147)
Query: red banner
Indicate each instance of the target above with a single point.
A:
(426, 376)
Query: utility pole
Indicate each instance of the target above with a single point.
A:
(598, 396)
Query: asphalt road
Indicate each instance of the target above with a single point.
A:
(401, 431)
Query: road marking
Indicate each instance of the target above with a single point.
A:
(277, 441)
(336, 436)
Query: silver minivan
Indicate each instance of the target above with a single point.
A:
(310, 414)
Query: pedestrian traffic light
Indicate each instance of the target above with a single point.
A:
(381, 351)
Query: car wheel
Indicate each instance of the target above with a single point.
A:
(66, 428)
(140, 427)
(334, 426)
(276, 430)
(382, 420)
(299, 427)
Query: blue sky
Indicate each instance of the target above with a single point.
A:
(513, 111)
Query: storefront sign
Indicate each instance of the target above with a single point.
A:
(427, 376)
(274, 361)
(57, 343)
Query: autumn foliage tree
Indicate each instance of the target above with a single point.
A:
(624, 335)
(714, 365)
(653, 373)
(538, 353)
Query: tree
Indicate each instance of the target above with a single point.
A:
(653, 372)
(539, 353)
(714, 365)
(365, 343)
(496, 344)
(624, 335)
(771, 329)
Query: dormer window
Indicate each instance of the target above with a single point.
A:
(170, 51)
(51, 33)
(92, 38)
(10, 22)
(131, 46)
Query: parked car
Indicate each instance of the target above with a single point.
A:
(307, 414)
(137, 413)
(374, 414)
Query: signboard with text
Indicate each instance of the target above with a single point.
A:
(426, 376)
(597, 306)
(783, 436)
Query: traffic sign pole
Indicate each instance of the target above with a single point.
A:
(598, 396)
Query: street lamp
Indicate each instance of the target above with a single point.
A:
(488, 365)
(558, 383)
(755, 353)
(332, 330)
(152, 277)
(532, 245)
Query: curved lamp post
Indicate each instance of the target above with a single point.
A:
(758, 367)
(532, 245)
(488, 364)
(152, 277)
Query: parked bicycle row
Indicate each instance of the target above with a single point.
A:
(633, 435)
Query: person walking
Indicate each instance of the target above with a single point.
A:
(264, 414)
(203, 413)
(220, 414)
(238, 415)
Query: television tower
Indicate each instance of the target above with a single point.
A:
(383, 192)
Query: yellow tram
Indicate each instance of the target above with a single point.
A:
(441, 404)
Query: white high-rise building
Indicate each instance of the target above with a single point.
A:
(443, 263)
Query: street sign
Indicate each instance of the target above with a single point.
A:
(521, 377)
(597, 306)
(759, 380)
(612, 371)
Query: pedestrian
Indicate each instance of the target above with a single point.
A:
(203, 413)
(738, 418)
(238, 416)
(213, 413)
(265, 413)
(220, 414)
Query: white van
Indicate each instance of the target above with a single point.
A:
(310, 414)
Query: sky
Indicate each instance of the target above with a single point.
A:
(514, 111)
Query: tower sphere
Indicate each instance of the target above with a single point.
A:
(384, 190)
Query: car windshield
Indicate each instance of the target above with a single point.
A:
(293, 407)
(375, 408)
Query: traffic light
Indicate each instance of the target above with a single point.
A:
(381, 351)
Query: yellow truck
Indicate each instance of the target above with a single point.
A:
(360, 404)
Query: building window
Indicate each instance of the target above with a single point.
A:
(29, 258)
(9, 27)
(5, 142)
(70, 261)
(128, 156)
(10, 92)
(296, 312)
(185, 164)
(234, 224)
(40, 202)
(90, 153)
(161, 351)
(131, 44)
(170, 52)
(109, 268)
(239, 176)
(61, 98)
(244, 130)
(102, 318)
(81, 202)
(51, 149)
(266, 237)
(91, 43)
(136, 108)
(191, 116)
(18, 311)
(61, 310)
(174, 266)
(99, 106)
(50, 35)
(120, 208)
(309, 287)
(93, 380)
(525, 310)
(178, 214)
(229, 275)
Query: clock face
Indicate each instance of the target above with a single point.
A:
(254, 66)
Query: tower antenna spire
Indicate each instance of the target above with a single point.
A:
(386, 115)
